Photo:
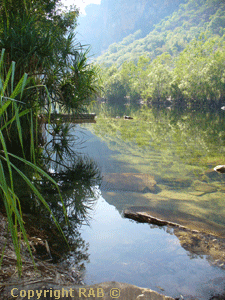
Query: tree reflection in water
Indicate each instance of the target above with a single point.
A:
(77, 177)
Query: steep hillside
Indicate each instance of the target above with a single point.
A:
(113, 20)
(172, 34)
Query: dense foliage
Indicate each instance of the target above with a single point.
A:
(179, 62)
(42, 67)
(39, 36)
(121, 18)
(172, 34)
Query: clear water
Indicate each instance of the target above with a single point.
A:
(142, 254)
(125, 251)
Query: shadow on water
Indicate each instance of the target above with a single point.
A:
(76, 176)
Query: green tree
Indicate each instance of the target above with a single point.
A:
(40, 38)
(128, 74)
(199, 71)
(115, 91)
(158, 79)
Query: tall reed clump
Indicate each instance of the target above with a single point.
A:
(11, 111)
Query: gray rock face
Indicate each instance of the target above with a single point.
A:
(124, 291)
(113, 20)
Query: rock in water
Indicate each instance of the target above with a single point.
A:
(220, 169)
(129, 182)
(204, 187)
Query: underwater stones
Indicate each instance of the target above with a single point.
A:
(130, 182)
(220, 169)
(176, 183)
(210, 174)
(204, 187)
(196, 193)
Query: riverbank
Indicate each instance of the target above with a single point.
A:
(51, 276)
(195, 242)
(104, 291)
(53, 280)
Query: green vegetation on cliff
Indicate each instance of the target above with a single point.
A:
(172, 34)
(113, 20)
(196, 76)
(180, 62)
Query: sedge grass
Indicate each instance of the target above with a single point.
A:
(10, 113)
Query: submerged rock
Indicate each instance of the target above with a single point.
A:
(204, 187)
(130, 182)
(176, 183)
(145, 217)
(210, 174)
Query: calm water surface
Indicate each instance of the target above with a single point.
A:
(142, 254)
(125, 251)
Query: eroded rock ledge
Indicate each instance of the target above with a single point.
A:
(144, 217)
(193, 241)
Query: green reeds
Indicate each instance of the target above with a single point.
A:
(10, 113)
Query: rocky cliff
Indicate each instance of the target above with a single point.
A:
(113, 20)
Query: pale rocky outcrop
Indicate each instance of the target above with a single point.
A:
(104, 291)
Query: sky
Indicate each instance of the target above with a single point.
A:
(80, 3)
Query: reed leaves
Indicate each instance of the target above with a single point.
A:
(10, 113)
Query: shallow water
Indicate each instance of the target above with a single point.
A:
(188, 192)
(125, 251)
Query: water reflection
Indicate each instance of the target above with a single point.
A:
(179, 185)
(147, 256)
(76, 177)
(180, 150)
(177, 153)
(59, 144)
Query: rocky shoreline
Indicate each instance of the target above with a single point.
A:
(105, 291)
(56, 278)
(194, 241)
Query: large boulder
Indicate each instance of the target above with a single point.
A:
(103, 291)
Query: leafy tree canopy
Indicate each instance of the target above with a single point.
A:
(172, 34)
(40, 37)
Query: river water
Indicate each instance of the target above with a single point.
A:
(178, 154)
